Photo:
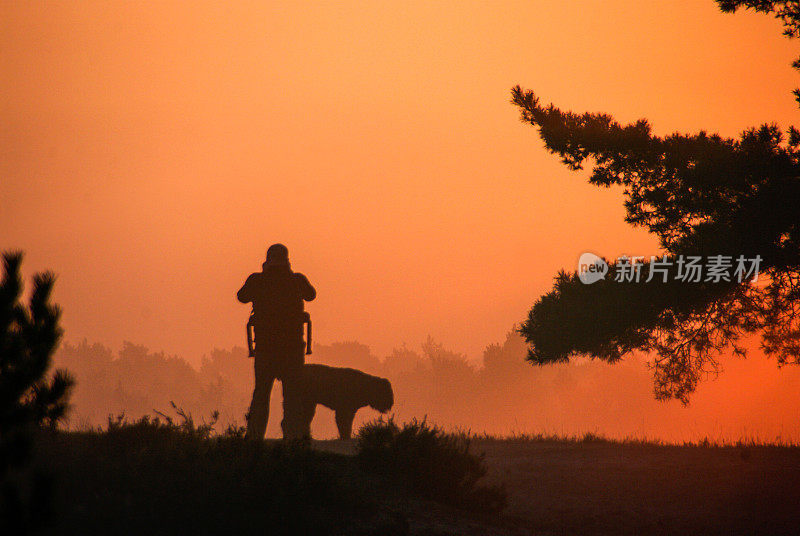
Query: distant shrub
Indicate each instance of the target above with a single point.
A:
(432, 463)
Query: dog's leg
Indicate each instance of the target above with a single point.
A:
(344, 422)
(308, 415)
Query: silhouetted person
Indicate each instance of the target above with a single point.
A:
(277, 295)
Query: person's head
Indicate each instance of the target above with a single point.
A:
(277, 255)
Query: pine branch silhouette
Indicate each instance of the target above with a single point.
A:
(29, 397)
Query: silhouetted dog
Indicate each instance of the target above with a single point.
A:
(345, 391)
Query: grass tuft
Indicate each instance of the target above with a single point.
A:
(430, 462)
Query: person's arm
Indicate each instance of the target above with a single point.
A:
(245, 293)
(306, 290)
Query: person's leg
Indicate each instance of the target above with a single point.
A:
(298, 409)
(259, 407)
(295, 399)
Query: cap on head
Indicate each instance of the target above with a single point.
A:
(277, 254)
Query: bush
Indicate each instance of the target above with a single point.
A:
(433, 464)
(171, 476)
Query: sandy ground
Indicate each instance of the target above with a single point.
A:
(596, 487)
(609, 488)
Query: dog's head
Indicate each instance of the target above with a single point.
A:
(382, 395)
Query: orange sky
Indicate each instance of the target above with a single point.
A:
(149, 155)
